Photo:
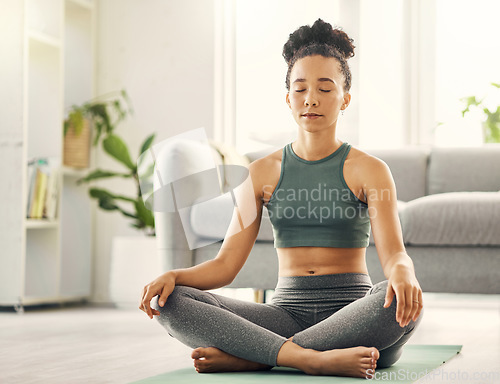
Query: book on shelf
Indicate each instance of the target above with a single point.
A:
(43, 187)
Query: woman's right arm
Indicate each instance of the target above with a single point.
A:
(236, 247)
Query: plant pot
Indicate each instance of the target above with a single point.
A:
(134, 264)
(76, 152)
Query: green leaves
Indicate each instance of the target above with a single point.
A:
(102, 194)
(99, 174)
(470, 101)
(105, 113)
(491, 125)
(143, 214)
(116, 148)
(75, 120)
(147, 144)
(98, 114)
(143, 218)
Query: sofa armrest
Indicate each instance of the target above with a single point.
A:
(179, 181)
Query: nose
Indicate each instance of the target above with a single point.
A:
(310, 100)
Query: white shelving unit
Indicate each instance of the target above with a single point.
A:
(49, 66)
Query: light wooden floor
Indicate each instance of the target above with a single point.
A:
(85, 344)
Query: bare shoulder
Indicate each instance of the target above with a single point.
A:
(368, 168)
(265, 172)
(271, 160)
(261, 167)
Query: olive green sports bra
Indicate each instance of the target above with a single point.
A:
(312, 206)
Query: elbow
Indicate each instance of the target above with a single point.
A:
(226, 273)
(223, 281)
(229, 278)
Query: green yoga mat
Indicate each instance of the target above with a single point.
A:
(416, 362)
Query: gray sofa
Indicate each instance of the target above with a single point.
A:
(448, 202)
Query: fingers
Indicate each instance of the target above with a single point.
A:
(415, 306)
(412, 307)
(389, 295)
(141, 306)
(163, 287)
(163, 298)
(401, 305)
(399, 292)
(418, 306)
(145, 304)
(409, 305)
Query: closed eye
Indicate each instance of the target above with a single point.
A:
(325, 90)
(299, 90)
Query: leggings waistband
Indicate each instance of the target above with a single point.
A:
(336, 280)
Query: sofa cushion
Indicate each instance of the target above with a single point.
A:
(408, 167)
(464, 169)
(455, 218)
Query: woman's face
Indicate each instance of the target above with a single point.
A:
(316, 93)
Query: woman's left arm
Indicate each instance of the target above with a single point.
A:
(380, 193)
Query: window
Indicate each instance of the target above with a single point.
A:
(467, 61)
(414, 61)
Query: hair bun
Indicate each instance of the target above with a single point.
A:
(321, 32)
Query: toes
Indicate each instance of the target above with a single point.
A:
(375, 354)
(197, 353)
(366, 360)
(197, 363)
(201, 366)
(205, 369)
(368, 365)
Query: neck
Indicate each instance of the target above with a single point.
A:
(315, 146)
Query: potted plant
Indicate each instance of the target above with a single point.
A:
(133, 259)
(102, 115)
(99, 116)
(491, 123)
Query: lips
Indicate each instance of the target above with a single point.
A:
(311, 115)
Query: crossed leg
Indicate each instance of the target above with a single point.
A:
(362, 322)
(253, 336)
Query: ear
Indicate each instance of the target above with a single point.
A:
(288, 100)
(347, 100)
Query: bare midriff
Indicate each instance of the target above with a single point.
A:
(307, 261)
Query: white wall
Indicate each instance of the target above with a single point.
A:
(161, 52)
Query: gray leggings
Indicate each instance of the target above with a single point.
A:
(321, 312)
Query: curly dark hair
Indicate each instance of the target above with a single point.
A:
(320, 39)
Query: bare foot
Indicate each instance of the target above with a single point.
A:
(353, 362)
(214, 360)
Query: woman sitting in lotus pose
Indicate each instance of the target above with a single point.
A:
(322, 196)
